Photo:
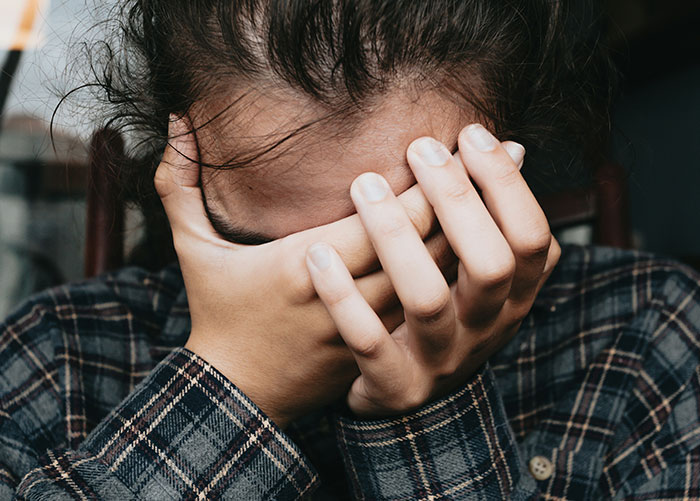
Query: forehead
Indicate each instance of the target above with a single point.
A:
(306, 183)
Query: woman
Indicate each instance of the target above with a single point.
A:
(366, 302)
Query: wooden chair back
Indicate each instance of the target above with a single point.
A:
(104, 242)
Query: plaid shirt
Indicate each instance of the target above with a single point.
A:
(598, 396)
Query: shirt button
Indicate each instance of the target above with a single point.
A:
(541, 468)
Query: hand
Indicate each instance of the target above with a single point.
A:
(255, 314)
(505, 250)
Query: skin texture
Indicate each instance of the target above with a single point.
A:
(450, 329)
(309, 185)
(399, 314)
(255, 314)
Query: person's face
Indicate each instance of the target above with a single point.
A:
(309, 184)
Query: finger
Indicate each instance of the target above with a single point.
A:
(376, 287)
(553, 256)
(177, 183)
(516, 152)
(351, 241)
(512, 205)
(483, 252)
(513, 313)
(376, 353)
(391, 319)
(379, 292)
(418, 282)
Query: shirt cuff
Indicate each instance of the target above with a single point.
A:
(188, 429)
(458, 447)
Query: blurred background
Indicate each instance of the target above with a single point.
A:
(44, 188)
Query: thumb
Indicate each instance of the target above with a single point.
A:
(177, 182)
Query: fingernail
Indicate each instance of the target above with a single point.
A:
(432, 152)
(373, 187)
(516, 152)
(320, 256)
(480, 138)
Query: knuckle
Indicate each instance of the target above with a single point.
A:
(497, 273)
(431, 310)
(391, 227)
(459, 192)
(508, 176)
(370, 347)
(536, 243)
(337, 296)
(555, 252)
(553, 257)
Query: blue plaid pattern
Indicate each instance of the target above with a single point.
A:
(98, 400)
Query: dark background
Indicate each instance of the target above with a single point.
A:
(656, 120)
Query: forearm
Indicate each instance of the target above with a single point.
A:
(184, 431)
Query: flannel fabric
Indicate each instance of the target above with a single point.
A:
(601, 385)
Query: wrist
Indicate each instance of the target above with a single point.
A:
(223, 361)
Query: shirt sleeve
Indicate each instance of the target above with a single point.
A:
(184, 432)
(459, 447)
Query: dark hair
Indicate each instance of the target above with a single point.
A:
(535, 70)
